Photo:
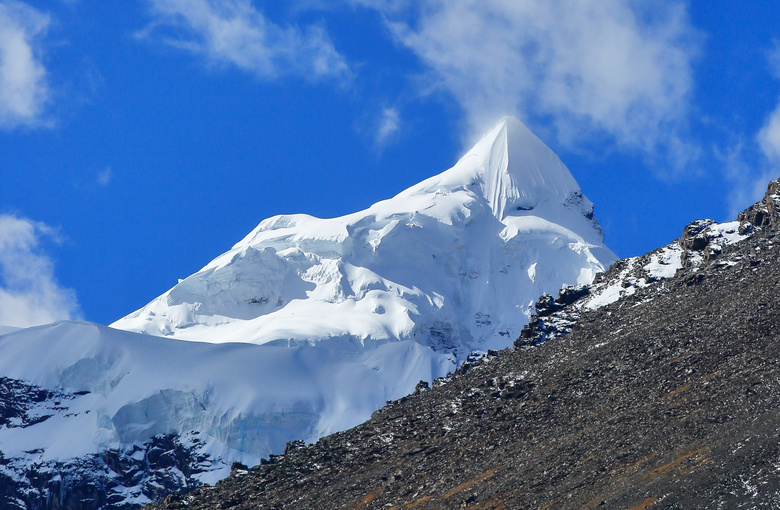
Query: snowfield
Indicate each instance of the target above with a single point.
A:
(308, 325)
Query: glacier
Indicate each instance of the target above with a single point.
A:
(308, 325)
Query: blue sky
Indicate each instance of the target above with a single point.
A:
(140, 139)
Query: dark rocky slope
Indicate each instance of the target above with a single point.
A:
(666, 398)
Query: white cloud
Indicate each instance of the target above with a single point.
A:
(23, 87)
(235, 32)
(749, 180)
(617, 67)
(773, 58)
(769, 137)
(389, 124)
(383, 5)
(104, 177)
(769, 140)
(29, 293)
(750, 166)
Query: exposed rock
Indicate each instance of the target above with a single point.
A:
(546, 305)
(571, 293)
(695, 235)
(22, 404)
(765, 212)
(422, 386)
(114, 479)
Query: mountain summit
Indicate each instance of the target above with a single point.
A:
(512, 169)
(454, 263)
(304, 328)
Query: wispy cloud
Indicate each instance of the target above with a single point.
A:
(747, 176)
(24, 91)
(750, 166)
(29, 292)
(743, 185)
(769, 136)
(234, 32)
(773, 58)
(389, 124)
(104, 177)
(753, 181)
(613, 67)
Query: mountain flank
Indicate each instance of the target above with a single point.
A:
(303, 328)
(665, 396)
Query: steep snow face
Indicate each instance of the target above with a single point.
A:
(512, 170)
(453, 263)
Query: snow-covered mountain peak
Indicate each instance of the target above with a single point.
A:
(511, 168)
(454, 262)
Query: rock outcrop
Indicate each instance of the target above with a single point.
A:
(766, 212)
(114, 478)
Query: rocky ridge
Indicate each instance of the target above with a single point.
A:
(656, 387)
